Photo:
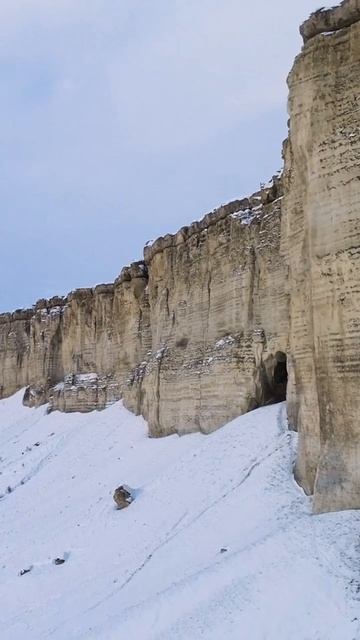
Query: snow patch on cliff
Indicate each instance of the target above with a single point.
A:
(245, 216)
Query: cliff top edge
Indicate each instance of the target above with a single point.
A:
(331, 20)
(267, 194)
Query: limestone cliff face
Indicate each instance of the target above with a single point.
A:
(190, 337)
(14, 350)
(218, 316)
(77, 352)
(259, 299)
(321, 236)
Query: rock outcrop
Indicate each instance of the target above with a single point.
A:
(76, 352)
(14, 350)
(329, 20)
(321, 237)
(218, 316)
(257, 301)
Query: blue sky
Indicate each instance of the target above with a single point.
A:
(124, 120)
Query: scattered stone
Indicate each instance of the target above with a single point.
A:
(223, 550)
(24, 571)
(59, 561)
(123, 496)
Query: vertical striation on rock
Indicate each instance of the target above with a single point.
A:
(14, 350)
(77, 352)
(218, 310)
(321, 234)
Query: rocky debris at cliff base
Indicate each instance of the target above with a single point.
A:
(123, 496)
(23, 572)
(83, 392)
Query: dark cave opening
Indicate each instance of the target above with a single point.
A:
(280, 377)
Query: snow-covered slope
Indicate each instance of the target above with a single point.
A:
(219, 543)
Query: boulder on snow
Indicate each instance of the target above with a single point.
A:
(25, 571)
(123, 496)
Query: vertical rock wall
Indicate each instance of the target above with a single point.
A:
(14, 350)
(218, 310)
(77, 352)
(321, 236)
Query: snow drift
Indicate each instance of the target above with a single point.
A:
(219, 542)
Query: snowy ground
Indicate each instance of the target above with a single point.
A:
(219, 543)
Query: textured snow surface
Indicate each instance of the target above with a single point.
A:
(219, 542)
